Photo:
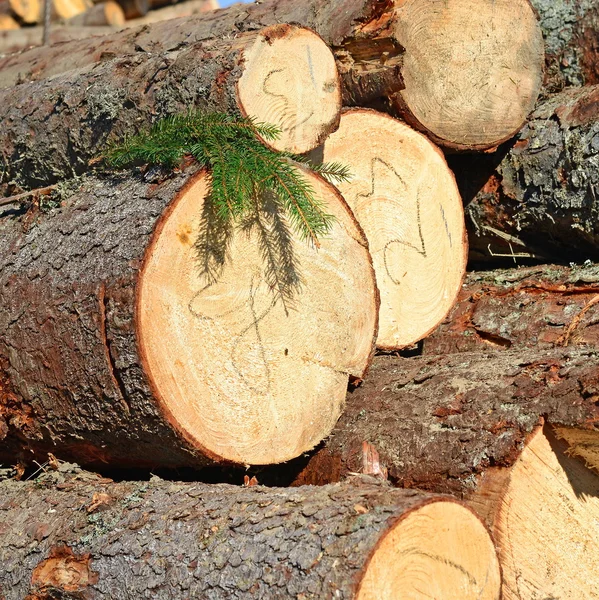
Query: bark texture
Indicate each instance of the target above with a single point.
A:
(539, 196)
(357, 29)
(78, 266)
(534, 307)
(52, 128)
(571, 33)
(164, 540)
(439, 422)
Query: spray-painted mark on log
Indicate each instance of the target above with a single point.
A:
(250, 375)
(446, 226)
(421, 248)
(311, 66)
(284, 111)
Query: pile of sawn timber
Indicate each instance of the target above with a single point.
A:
(462, 462)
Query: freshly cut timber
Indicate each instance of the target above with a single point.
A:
(72, 117)
(571, 31)
(537, 307)
(28, 11)
(470, 424)
(106, 13)
(116, 347)
(472, 76)
(67, 9)
(539, 197)
(359, 540)
(472, 69)
(7, 23)
(405, 198)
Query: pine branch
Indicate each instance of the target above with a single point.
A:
(251, 185)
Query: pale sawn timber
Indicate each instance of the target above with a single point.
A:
(284, 75)
(107, 13)
(539, 197)
(471, 71)
(471, 424)
(115, 349)
(360, 540)
(406, 199)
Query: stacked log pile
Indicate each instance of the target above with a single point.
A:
(439, 429)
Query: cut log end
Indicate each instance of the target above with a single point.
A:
(29, 11)
(242, 376)
(546, 522)
(440, 550)
(290, 80)
(7, 22)
(406, 199)
(472, 69)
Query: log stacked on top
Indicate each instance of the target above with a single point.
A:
(116, 351)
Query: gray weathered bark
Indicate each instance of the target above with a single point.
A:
(164, 540)
(571, 32)
(539, 196)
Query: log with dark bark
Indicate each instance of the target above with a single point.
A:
(403, 194)
(458, 97)
(571, 33)
(470, 424)
(115, 346)
(70, 118)
(539, 196)
(73, 535)
(540, 307)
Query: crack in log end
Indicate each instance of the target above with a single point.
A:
(62, 572)
(114, 373)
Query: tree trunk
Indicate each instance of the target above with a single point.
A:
(467, 100)
(358, 540)
(571, 32)
(539, 197)
(135, 9)
(188, 8)
(106, 13)
(540, 307)
(52, 128)
(403, 195)
(116, 349)
(469, 424)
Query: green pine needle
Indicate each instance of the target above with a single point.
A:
(251, 186)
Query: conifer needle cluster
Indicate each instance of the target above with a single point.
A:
(251, 185)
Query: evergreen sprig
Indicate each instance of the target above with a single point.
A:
(251, 185)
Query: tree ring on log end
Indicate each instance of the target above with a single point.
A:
(290, 79)
(472, 69)
(545, 521)
(405, 197)
(241, 376)
(440, 550)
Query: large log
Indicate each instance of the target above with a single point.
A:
(284, 75)
(538, 307)
(539, 196)
(359, 540)
(469, 82)
(403, 195)
(188, 8)
(470, 424)
(116, 347)
(99, 15)
(571, 33)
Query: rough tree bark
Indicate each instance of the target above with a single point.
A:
(539, 196)
(538, 307)
(161, 540)
(571, 33)
(86, 288)
(470, 424)
(51, 129)
(444, 95)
